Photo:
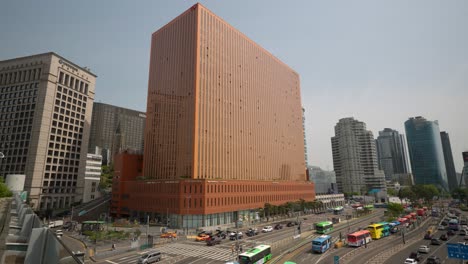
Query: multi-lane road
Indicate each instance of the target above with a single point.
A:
(190, 251)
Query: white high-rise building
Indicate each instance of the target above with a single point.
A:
(45, 114)
(355, 158)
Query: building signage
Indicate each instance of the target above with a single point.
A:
(457, 251)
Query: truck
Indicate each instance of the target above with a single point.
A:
(56, 223)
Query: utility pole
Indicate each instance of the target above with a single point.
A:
(147, 228)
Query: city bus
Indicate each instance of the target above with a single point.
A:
(369, 207)
(92, 226)
(403, 221)
(376, 230)
(321, 243)
(454, 225)
(359, 238)
(257, 255)
(338, 210)
(323, 227)
(386, 228)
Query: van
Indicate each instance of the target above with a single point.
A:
(150, 257)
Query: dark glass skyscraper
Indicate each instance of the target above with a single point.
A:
(448, 158)
(391, 153)
(425, 152)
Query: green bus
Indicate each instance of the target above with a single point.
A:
(324, 227)
(259, 254)
(92, 226)
(369, 207)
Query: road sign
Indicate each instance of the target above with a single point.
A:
(457, 251)
(336, 259)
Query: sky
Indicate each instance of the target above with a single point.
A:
(380, 62)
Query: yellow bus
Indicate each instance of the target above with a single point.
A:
(376, 230)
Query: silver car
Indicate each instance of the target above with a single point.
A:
(150, 257)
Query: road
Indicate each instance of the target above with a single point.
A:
(190, 251)
(306, 255)
(437, 250)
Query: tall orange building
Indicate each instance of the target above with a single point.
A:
(224, 130)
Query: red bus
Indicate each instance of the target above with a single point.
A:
(359, 238)
(403, 221)
(413, 216)
(421, 212)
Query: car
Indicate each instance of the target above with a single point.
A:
(221, 234)
(443, 237)
(394, 230)
(450, 233)
(213, 240)
(415, 255)
(424, 249)
(202, 237)
(441, 227)
(428, 236)
(411, 261)
(252, 232)
(150, 257)
(289, 224)
(267, 229)
(433, 260)
(278, 226)
(232, 235)
(435, 241)
(169, 235)
(59, 233)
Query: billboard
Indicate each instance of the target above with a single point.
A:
(465, 156)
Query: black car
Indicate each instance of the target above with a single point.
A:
(433, 260)
(289, 224)
(443, 237)
(252, 232)
(221, 234)
(435, 241)
(278, 226)
(213, 241)
(450, 233)
(416, 256)
(428, 236)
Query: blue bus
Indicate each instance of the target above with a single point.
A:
(386, 228)
(321, 243)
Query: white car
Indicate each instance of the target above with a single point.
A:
(424, 249)
(267, 229)
(410, 261)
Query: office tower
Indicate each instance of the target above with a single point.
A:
(448, 159)
(355, 158)
(464, 174)
(46, 104)
(323, 180)
(115, 129)
(305, 139)
(391, 153)
(92, 177)
(426, 152)
(224, 126)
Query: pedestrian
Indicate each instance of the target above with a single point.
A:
(232, 249)
(113, 246)
(241, 248)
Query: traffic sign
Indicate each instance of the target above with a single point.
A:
(457, 251)
(336, 259)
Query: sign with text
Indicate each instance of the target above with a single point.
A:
(458, 251)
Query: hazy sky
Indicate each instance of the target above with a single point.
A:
(378, 61)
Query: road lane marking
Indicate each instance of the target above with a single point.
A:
(112, 262)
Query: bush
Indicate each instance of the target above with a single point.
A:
(4, 191)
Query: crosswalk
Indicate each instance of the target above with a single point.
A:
(180, 251)
(215, 253)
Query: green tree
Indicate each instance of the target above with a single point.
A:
(4, 191)
(460, 193)
(107, 174)
(407, 193)
(392, 192)
(395, 209)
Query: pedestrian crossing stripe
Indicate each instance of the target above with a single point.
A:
(215, 253)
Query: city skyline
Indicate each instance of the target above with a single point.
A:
(347, 65)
